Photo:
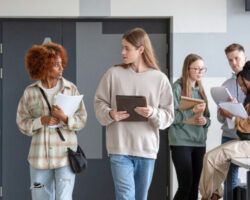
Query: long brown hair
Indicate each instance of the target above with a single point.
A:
(138, 37)
(186, 86)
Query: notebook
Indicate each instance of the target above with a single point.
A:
(188, 103)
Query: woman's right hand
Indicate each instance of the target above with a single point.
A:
(118, 115)
(199, 108)
(49, 120)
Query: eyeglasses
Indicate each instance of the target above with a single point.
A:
(200, 70)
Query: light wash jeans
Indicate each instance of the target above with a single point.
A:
(52, 184)
(132, 176)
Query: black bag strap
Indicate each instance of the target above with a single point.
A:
(45, 97)
(57, 128)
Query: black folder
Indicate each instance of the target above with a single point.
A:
(129, 103)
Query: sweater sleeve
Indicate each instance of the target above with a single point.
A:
(163, 115)
(102, 100)
(25, 122)
(180, 115)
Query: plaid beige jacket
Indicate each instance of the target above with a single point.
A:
(47, 150)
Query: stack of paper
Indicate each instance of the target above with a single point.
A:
(69, 104)
(237, 109)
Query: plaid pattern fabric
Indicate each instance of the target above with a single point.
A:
(47, 150)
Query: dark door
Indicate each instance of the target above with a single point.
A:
(17, 37)
(98, 48)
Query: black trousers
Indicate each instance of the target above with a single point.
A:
(188, 165)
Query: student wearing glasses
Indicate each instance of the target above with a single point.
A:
(187, 138)
(236, 58)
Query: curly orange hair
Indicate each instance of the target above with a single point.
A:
(40, 59)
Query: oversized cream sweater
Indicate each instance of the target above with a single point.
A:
(134, 138)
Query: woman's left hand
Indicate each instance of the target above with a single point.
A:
(57, 112)
(201, 120)
(144, 111)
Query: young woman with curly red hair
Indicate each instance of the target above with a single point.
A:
(51, 176)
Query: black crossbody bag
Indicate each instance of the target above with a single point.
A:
(77, 159)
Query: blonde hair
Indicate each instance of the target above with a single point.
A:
(186, 86)
(138, 37)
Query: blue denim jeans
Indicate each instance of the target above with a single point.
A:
(132, 176)
(52, 184)
(233, 170)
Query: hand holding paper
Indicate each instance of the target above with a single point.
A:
(58, 113)
(224, 113)
(65, 106)
(236, 109)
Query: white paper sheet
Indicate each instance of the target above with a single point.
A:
(230, 123)
(220, 94)
(237, 109)
(69, 104)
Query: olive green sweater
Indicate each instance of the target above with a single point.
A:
(181, 134)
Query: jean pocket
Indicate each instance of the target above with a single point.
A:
(116, 158)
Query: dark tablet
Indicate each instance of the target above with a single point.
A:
(129, 103)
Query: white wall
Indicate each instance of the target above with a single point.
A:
(39, 8)
(188, 16)
(194, 16)
(94, 8)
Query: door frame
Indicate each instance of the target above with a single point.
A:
(1, 108)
